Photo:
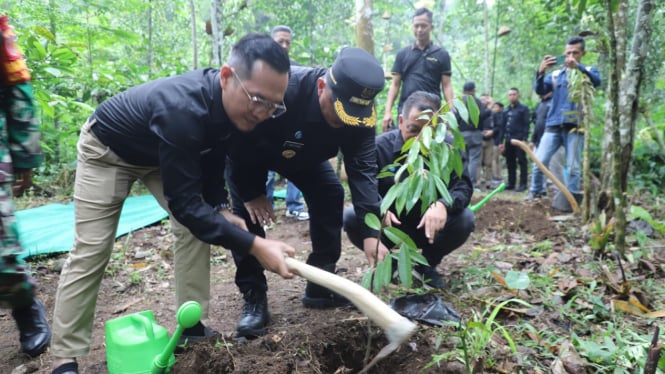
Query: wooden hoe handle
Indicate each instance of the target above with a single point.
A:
(397, 328)
(562, 188)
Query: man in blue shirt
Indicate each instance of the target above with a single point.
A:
(561, 127)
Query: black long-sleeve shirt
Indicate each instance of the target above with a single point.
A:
(178, 124)
(498, 126)
(539, 116)
(517, 122)
(301, 139)
(389, 147)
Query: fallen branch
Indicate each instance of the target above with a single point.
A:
(653, 357)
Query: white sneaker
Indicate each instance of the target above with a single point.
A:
(300, 216)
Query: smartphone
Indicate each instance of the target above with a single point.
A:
(560, 59)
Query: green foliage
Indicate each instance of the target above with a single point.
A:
(422, 173)
(615, 350)
(476, 339)
(643, 214)
(602, 229)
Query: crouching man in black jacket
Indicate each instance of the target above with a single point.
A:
(443, 228)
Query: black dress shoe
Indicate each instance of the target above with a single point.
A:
(521, 188)
(194, 334)
(255, 315)
(319, 297)
(430, 277)
(35, 334)
(509, 187)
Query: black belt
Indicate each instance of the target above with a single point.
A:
(564, 126)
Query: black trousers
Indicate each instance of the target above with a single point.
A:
(454, 233)
(515, 155)
(324, 196)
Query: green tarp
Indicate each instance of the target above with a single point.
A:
(50, 228)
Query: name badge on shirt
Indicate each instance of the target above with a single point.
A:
(291, 149)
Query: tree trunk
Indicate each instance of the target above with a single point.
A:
(486, 32)
(150, 50)
(195, 59)
(217, 37)
(364, 27)
(618, 33)
(57, 148)
(628, 105)
(586, 175)
(496, 42)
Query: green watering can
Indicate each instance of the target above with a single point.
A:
(136, 344)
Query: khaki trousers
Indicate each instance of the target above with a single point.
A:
(491, 162)
(103, 181)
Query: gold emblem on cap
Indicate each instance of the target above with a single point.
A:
(289, 153)
(354, 120)
(368, 93)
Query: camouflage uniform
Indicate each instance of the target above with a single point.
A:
(19, 149)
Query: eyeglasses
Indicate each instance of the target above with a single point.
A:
(257, 103)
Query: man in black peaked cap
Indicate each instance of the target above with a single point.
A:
(329, 110)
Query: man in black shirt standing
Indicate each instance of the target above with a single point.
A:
(171, 134)
(422, 66)
(444, 227)
(517, 127)
(334, 111)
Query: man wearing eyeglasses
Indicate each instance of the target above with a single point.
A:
(328, 110)
(172, 134)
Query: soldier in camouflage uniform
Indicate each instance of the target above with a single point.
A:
(19, 154)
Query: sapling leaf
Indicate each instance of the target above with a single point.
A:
(426, 136)
(372, 221)
(398, 237)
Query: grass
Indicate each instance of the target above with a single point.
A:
(574, 307)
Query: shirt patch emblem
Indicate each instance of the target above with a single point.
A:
(298, 135)
(289, 153)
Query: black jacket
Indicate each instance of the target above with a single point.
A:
(179, 125)
(517, 122)
(539, 117)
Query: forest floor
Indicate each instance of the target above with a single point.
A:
(570, 294)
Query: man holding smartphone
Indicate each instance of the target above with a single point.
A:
(561, 126)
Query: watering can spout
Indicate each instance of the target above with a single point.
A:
(474, 208)
(189, 314)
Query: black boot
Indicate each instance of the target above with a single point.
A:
(33, 328)
(255, 315)
(319, 297)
